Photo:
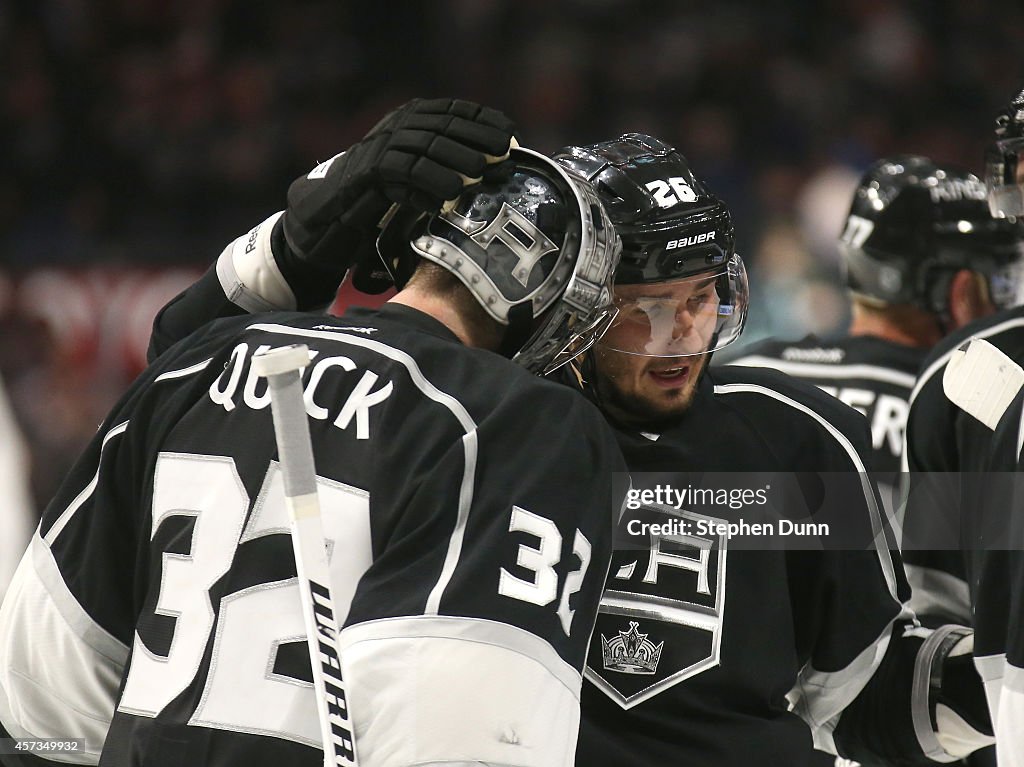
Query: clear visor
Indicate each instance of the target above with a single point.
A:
(1004, 177)
(680, 318)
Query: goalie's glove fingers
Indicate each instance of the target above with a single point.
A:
(442, 150)
(403, 176)
(486, 139)
(481, 115)
(468, 110)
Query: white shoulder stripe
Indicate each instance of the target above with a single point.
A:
(800, 369)
(469, 439)
(882, 548)
(941, 361)
(183, 371)
(83, 496)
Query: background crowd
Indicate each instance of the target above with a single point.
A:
(137, 137)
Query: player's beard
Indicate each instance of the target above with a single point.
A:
(627, 399)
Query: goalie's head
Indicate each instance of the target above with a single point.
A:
(533, 246)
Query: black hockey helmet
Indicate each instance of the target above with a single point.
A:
(675, 233)
(914, 223)
(1004, 161)
(534, 247)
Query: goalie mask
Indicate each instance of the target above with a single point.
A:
(914, 223)
(681, 289)
(536, 249)
(1004, 162)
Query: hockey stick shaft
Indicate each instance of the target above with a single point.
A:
(282, 368)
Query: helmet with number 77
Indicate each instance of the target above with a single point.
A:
(914, 223)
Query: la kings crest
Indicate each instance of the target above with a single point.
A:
(660, 619)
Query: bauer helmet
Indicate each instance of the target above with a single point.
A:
(677, 239)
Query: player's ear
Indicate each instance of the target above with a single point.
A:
(968, 298)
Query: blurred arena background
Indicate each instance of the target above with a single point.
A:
(137, 137)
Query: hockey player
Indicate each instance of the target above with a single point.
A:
(943, 444)
(704, 654)
(678, 672)
(953, 459)
(992, 541)
(905, 223)
(157, 614)
(923, 257)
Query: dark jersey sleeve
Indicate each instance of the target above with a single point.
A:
(933, 488)
(245, 279)
(846, 598)
(200, 303)
(994, 546)
(944, 455)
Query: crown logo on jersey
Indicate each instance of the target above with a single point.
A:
(631, 652)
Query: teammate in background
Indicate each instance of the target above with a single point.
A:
(992, 539)
(923, 257)
(944, 445)
(725, 655)
(159, 599)
(984, 584)
(678, 672)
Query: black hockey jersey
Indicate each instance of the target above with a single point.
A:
(468, 509)
(705, 653)
(870, 374)
(946, 449)
(993, 542)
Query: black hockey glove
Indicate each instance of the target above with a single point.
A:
(925, 703)
(419, 156)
